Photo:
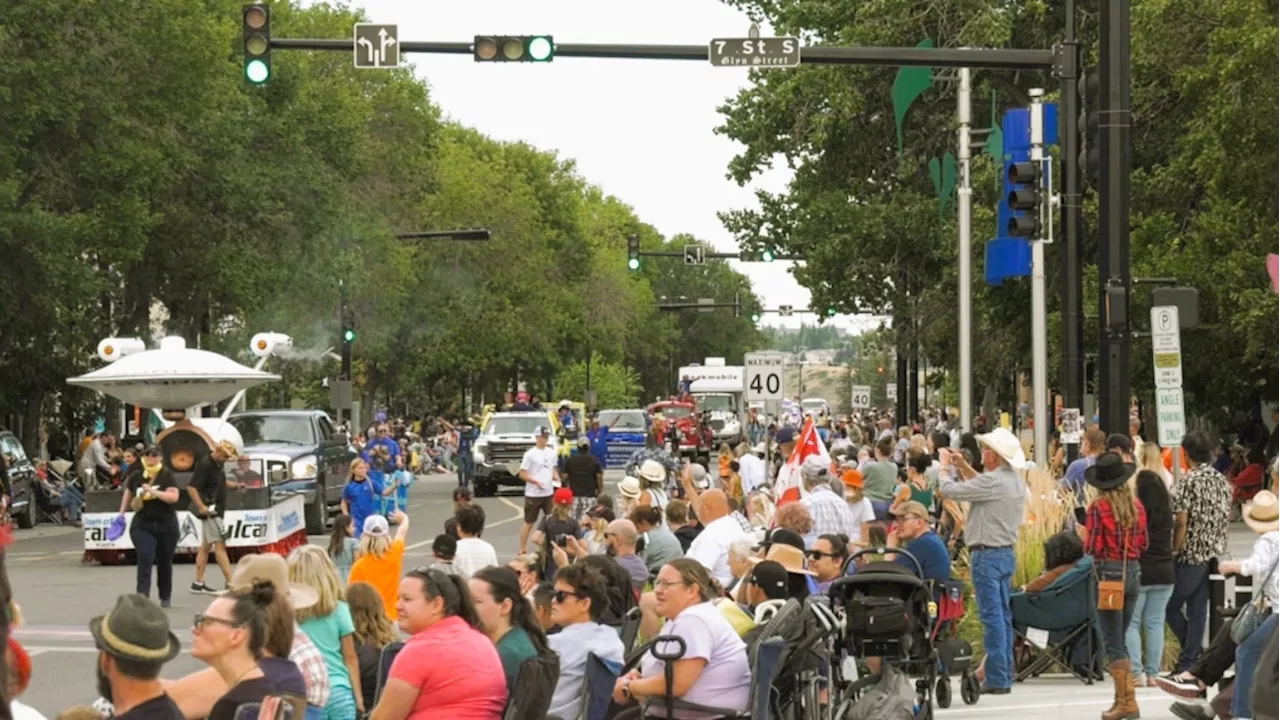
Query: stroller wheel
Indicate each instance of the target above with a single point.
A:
(942, 691)
(970, 690)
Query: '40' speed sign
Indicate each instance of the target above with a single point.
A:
(763, 376)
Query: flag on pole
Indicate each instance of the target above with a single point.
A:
(789, 486)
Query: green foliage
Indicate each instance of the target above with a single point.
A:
(615, 384)
(138, 174)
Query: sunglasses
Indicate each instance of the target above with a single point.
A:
(200, 620)
(561, 595)
(818, 555)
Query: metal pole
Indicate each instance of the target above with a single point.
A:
(1072, 370)
(1039, 339)
(964, 211)
(1114, 72)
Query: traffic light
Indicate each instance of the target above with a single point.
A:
(1089, 88)
(755, 317)
(1023, 196)
(766, 256)
(831, 312)
(514, 48)
(633, 252)
(349, 335)
(257, 44)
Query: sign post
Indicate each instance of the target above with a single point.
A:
(861, 399)
(1166, 359)
(763, 377)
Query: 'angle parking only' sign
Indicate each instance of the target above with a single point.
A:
(1166, 360)
(763, 376)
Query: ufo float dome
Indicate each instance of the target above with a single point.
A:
(173, 376)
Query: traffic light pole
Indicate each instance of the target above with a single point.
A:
(1113, 215)
(964, 221)
(1071, 371)
(1039, 333)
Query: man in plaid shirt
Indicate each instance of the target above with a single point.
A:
(831, 514)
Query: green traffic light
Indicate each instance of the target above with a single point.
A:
(766, 256)
(634, 263)
(257, 71)
(540, 49)
(831, 312)
(755, 317)
(349, 336)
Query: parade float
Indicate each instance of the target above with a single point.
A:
(174, 382)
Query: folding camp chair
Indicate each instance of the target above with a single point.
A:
(1067, 610)
(766, 659)
(598, 681)
(535, 683)
(385, 658)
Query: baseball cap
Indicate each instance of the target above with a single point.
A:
(542, 431)
(152, 450)
(600, 512)
(563, 496)
(376, 525)
(911, 507)
(584, 441)
(699, 475)
(770, 577)
(784, 435)
(1120, 443)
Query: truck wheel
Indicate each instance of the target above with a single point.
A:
(27, 518)
(314, 516)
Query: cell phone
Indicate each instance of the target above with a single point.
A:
(560, 540)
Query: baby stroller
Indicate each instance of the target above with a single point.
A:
(886, 614)
(954, 654)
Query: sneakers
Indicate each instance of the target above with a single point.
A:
(1191, 711)
(1177, 686)
(166, 603)
(200, 588)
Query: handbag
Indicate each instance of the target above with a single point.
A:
(1252, 614)
(1111, 592)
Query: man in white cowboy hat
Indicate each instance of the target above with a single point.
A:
(997, 498)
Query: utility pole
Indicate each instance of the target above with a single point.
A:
(1071, 372)
(1113, 260)
(964, 213)
(1039, 332)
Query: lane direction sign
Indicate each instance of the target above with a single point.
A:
(693, 255)
(375, 46)
(755, 52)
(763, 376)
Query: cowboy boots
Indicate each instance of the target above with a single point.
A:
(1126, 706)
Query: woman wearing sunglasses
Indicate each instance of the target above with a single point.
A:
(576, 607)
(437, 611)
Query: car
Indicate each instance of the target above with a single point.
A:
(500, 445)
(21, 483)
(298, 451)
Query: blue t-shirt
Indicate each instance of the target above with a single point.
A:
(1073, 480)
(393, 449)
(600, 444)
(326, 634)
(363, 498)
(931, 552)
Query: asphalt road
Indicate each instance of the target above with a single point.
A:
(59, 595)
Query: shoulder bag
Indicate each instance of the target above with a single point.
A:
(1111, 592)
(1251, 615)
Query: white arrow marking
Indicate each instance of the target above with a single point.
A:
(386, 42)
(369, 45)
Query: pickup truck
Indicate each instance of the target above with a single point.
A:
(297, 451)
(499, 448)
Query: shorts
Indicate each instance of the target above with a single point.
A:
(534, 505)
(211, 531)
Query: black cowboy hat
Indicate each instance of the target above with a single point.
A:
(136, 629)
(1109, 471)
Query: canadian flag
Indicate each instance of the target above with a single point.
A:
(789, 487)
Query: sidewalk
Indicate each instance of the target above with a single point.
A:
(1054, 698)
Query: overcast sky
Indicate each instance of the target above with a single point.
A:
(639, 129)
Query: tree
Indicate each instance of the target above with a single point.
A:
(615, 384)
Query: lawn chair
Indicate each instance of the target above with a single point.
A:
(385, 658)
(1068, 611)
(535, 683)
(598, 681)
(765, 660)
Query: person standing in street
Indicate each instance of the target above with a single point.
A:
(1115, 535)
(466, 462)
(541, 473)
(997, 498)
(1201, 511)
(208, 493)
(586, 478)
(151, 493)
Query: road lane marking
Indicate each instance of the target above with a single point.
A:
(518, 516)
(42, 649)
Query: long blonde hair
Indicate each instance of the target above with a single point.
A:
(373, 545)
(1122, 505)
(310, 565)
(369, 615)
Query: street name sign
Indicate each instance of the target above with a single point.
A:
(763, 376)
(861, 397)
(375, 46)
(1166, 360)
(693, 255)
(755, 52)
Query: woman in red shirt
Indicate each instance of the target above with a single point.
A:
(1115, 535)
(448, 670)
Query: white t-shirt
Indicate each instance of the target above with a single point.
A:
(19, 711)
(711, 547)
(751, 470)
(725, 681)
(473, 554)
(541, 464)
(862, 513)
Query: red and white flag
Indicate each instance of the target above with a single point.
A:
(789, 486)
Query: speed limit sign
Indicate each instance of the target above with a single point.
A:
(861, 397)
(763, 376)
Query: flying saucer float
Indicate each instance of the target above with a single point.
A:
(174, 380)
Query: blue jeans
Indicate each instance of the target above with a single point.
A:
(466, 468)
(72, 499)
(1148, 614)
(1247, 655)
(1115, 623)
(992, 572)
(881, 508)
(314, 713)
(1190, 591)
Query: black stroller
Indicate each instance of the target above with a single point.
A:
(886, 610)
